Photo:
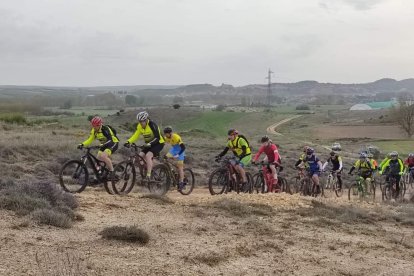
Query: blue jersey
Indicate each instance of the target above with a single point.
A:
(312, 163)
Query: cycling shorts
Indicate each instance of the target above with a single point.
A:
(155, 149)
(108, 148)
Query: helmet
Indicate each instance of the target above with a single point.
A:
(232, 131)
(336, 147)
(411, 155)
(332, 153)
(96, 121)
(309, 151)
(142, 116)
(168, 129)
(370, 155)
(305, 148)
(363, 155)
(265, 139)
(394, 154)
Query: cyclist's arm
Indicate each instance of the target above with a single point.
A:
(89, 141)
(182, 146)
(257, 155)
(298, 162)
(243, 145)
(136, 135)
(340, 163)
(401, 166)
(155, 130)
(108, 136)
(226, 149)
(352, 169)
(276, 154)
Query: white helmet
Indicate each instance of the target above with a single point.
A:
(142, 116)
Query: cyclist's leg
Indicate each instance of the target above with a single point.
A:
(149, 154)
(274, 172)
(339, 177)
(104, 154)
(315, 178)
(397, 185)
(241, 164)
(366, 184)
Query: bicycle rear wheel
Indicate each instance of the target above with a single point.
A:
(159, 182)
(338, 190)
(123, 178)
(188, 182)
(258, 183)
(286, 186)
(73, 177)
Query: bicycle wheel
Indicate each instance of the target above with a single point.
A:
(338, 190)
(315, 192)
(123, 178)
(73, 177)
(371, 191)
(159, 182)
(386, 192)
(247, 187)
(353, 192)
(218, 181)
(286, 186)
(295, 184)
(188, 182)
(258, 183)
(305, 187)
(106, 175)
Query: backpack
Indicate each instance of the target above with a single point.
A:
(242, 136)
(113, 130)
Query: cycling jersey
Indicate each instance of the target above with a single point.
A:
(336, 163)
(104, 135)
(238, 146)
(270, 151)
(374, 164)
(313, 163)
(178, 147)
(151, 133)
(394, 167)
(409, 162)
(364, 165)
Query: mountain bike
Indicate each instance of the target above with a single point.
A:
(74, 174)
(125, 174)
(297, 180)
(226, 178)
(332, 183)
(309, 188)
(359, 190)
(264, 182)
(409, 178)
(389, 189)
(173, 176)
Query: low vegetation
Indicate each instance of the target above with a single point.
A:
(41, 201)
(122, 233)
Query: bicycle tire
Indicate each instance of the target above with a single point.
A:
(338, 191)
(386, 192)
(258, 182)
(353, 191)
(222, 181)
(66, 177)
(107, 183)
(123, 178)
(286, 186)
(189, 182)
(159, 182)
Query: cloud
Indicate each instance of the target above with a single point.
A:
(360, 5)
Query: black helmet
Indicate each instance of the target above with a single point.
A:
(264, 139)
(168, 129)
(332, 153)
(310, 151)
(232, 131)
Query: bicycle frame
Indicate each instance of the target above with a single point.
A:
(170, 165)
(92, 160)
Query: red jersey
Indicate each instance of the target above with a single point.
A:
(409, 162)
(271, 152)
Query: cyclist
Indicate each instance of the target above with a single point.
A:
(107, 137)
(409, 163)
(374, 162)
(241, 149)
(388, 157)
(177, 152)
(272, 155)
(336, 161)
(365, 169)
(154, 141)
(314, 166)
(394, 167)
(301, 158)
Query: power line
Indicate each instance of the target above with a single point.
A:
(269, 89)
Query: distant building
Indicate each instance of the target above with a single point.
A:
(373, 105)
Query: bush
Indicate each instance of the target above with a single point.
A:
(45, 202)
(303, 107)
(122, 233)
(13, 118)
(220, 107)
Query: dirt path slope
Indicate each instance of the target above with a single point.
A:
(272, 129)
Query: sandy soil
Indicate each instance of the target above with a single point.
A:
(378, 132)
(196, 235)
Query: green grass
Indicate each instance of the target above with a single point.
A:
(403, 147)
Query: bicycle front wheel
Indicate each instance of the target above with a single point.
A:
(188, 182)
(160, 180)
(338, 190)
(258, 183)
(286, 186)
(353, 192)
(73, 177)
(218, 181)
(123, 178)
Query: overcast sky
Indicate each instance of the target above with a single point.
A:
(127, 42)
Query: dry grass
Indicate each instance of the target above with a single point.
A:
(52, 217)
(159, 198)
(122, 233)
(240, 209)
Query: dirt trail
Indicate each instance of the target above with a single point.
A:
(272, 129)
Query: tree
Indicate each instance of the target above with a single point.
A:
(67, 104)
(176, 106)
(404, 117)
(130, 100)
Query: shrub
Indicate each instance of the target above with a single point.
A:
(13, 118)
(122, 233)
(45, 202)
(303, 107)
